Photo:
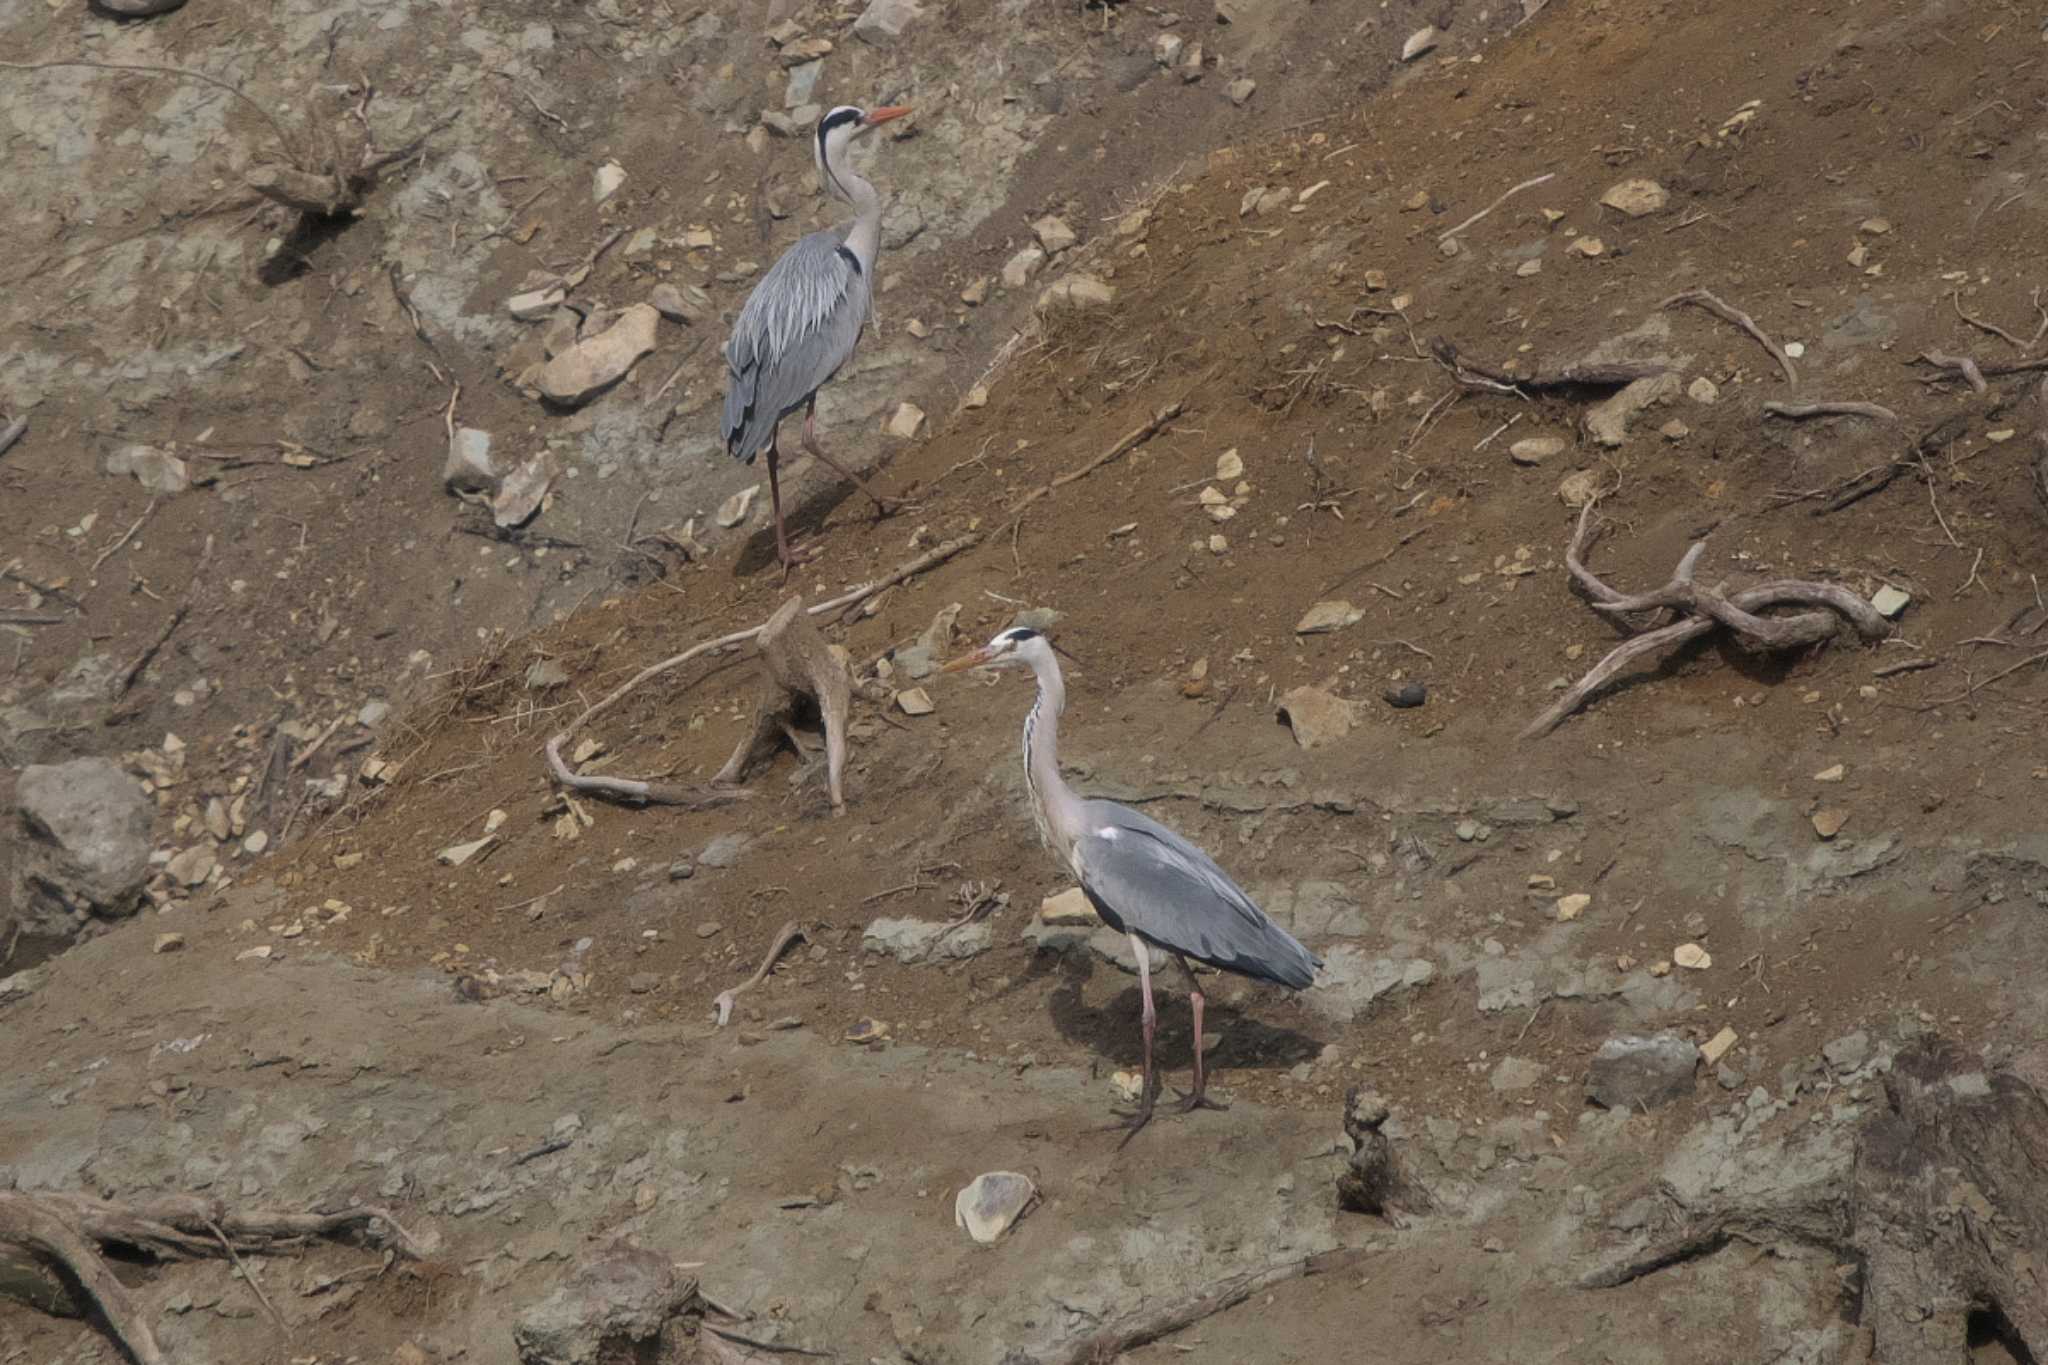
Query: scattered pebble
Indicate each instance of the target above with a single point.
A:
(1890, 601)
(681, 870)
(1166, 48)
(1572, 906)
(1240, 91)
(1703, 390)
(906, 421)
(607, 180)
(1534, 450)
(1528, 268)
(1795, 349)
(1717, 1047)
(915, 701)
(993, 1203)
(1827, 823)
(734, 509)
(597, 362)
(1588, 247)
(1407, 696)
(1833, 773)
(1637, 197)
(455, 855)
(1633, 1073)
(1692, 957)
(169, 943)
(1229, 465)
(1316, 717)
(1579, 487)
(1419, 42)
(1327, 616)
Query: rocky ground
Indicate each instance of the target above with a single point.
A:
(311, 545)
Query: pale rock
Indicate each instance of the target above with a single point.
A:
(1018, 270)
(1192, 64)
(1795, 349)
(686, 304)
(1637, 197)
(915, 701)
(1587, 247)
(802, 81)
(1166, 48)
(455, 855)
(536, 305)
(1832, 773)
(906, 421)
(1070, 907)
(191, 867)
(734, 509)
(158, 471)
(977, 397)
(1890, 601)
(1876, 227)
(254, 842)
(1534, 450)
(1077, 292)
(1230, 465)
(1334, 614)
(1716, 1047)
(1607, 422)
(597, 362)
(1528, 268)
(1848, 1052)
(884, 22)
(993, 1203)
(1241, 91)
(975, 293)
(373, 713)
(1515, 1073)
(1828, 823)
(1317, 717)
(80, 843)
(217, 822)
(1054, 234)
(607, 180)
(1692, 957)
(1571, 907)
(1703, 391)
(1675, 430)
(469, 468)
(1579, 487)
(912, 941)
(1419, 42)
(1219, 545)
(524, 489)
(169, 943)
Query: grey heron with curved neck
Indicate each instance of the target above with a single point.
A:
(802, 322)
(1142, 878)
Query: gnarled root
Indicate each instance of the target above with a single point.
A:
(796, 664)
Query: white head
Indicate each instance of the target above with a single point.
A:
(1018, 647)
(836, 132)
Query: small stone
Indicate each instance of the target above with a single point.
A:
(977, 397)
(1241, 90)
(1407, 696)
(684, 304)
(1018, 270)
(1876, 227)
(805, 50)
(709, 929)
(1828, 823)
(1069, 908)
(217, 822)
(1376, 280)
(1219, 545)
(681, 870)
(1534, 450)
(1795, 349)
(158, 471)
(1858, 256)
(975, 293)
(1572, 906)
(1587, 247)
(1848, 1052)
(1579, 487)
(883, 22)
(1692, 957)
(2000, 436)
(867, 1031)
(1077, 292)
(1528, 269)
(1467, 831)
(1229, 465)
(1635, 1073)
(260, 953)
(1128, 1085)
(1166, 48)
(254, 842)
(1675, 430)
(373, 714)
(915, 701)
(1054, 234)
(1637, 197)
(455, 855)
(1703, 390)
(1890, 601)
(734, 509)
(596, 363)
(191, 867)
(1316, 717)
(536, 305)
(993, 1203)
(169, 943)
(606, 182)
(1327, 616)
(1515, 1073)
(1832, 773)
(906, 421)
(724, 851)
(1419, 42)
(640, 983)
(1717, 1046)
(523, 490)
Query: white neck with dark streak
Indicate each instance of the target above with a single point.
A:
(864, 238)
(1054, 805)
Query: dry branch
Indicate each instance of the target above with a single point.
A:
(64, 1232)
(644, 792)
(1704, 610)
(11, 433)
(788, 934)
(1130, 442)
(795, 663)
(1529, 184)
(1700, 298)
(1473, 374)
(1801, 411)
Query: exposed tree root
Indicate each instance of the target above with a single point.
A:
(1700, 611)
(1374, 1182)
(795, 664)
(1959, 364)
(1801, 411)
(1474, 375)
(1942, 1208)
(788, 934)
(64, 1232)
(1700, 298)
(640, 792)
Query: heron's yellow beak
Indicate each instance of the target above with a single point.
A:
(979, 656)
(887, 112)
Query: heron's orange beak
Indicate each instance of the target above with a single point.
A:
(979, 656)
(886, 112)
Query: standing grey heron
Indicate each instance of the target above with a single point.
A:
(804, 319)
(1141, 877)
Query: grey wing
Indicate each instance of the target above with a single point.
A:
(797, 328)
(1145, 879)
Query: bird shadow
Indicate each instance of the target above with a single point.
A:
(1113, 1030)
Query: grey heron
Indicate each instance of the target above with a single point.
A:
(1141, 877)
(802, 322)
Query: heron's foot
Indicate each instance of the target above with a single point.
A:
(791, 556)
(1199, 1099)
(1129, 1122)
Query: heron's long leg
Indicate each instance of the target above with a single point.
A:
(1148, 1091)
(1199, 1097)
(882, 505)
(790, 558)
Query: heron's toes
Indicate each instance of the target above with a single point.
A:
(1188, 1104)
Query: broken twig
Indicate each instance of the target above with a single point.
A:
(788, 934)
(1801, 411)
(1700, 298)
(1531, 184)
(1960, 364)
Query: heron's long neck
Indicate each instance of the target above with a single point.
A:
(864, 238)
(1053, 803)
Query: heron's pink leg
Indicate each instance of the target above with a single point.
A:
(1199, 1097)
(883, 506)
(1148, 1092)
(790, 558)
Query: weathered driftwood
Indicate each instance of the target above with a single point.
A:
(798, 670)
(1943, 1209)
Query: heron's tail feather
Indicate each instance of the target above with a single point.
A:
(747, 429)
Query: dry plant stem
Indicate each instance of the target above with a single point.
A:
(788, 934)
(134, 670)
(1531, 184)
(635, 790)
(1962, 365)
(1154, 1321)
(1700, 298)
(1956, 297)
(1801, 411)
(11, 433)
(1130, 442)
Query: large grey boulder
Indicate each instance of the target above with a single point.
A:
(622, 1296)
(1642, 1073)
(81, 845)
